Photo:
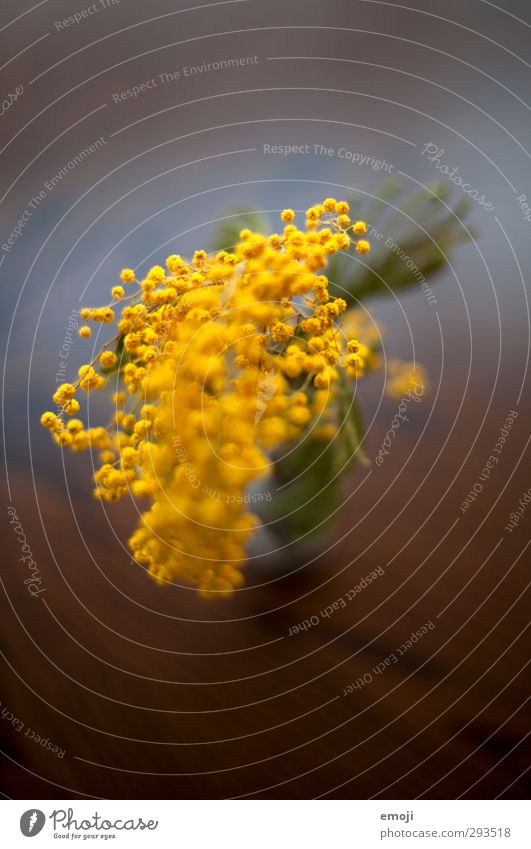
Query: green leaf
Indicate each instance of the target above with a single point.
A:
(351, 429)
(308, 479)
(305, 491)
(386, 269)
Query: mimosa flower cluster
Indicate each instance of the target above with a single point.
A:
(217, 363)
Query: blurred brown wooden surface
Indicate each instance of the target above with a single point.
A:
(155, 693)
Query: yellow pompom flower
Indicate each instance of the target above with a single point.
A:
(71, 407)
(287, 215)
(49, 420)
(156, 274)
(75, 426)
(299, 415)
(199, 259)
(221, 363)
(64, 393)
(108, 359)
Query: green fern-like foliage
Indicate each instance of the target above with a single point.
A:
(425, 228)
